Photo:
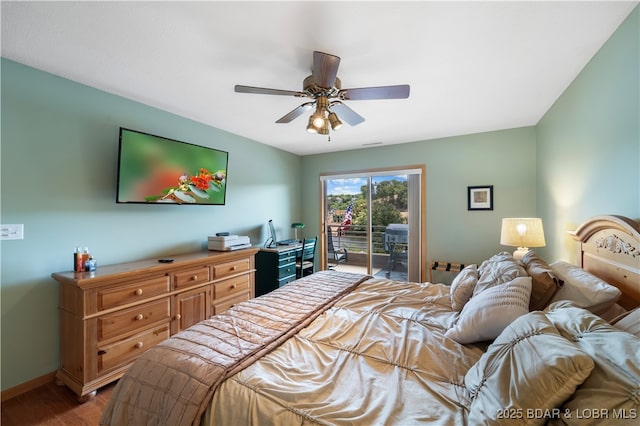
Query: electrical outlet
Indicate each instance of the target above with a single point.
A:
(12, 232)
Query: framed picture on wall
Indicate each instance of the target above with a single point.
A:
(480, 197)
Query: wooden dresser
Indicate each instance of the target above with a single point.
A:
(111, 316)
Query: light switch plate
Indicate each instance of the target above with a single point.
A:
(12, 232)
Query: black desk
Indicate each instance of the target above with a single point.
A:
(275, 267)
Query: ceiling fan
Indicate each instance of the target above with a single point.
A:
(324, 87)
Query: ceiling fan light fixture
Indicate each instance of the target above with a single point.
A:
(311, 128)
(318, 119)
(335, 121)
(324, 130)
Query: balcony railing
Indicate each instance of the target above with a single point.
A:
(354, 239)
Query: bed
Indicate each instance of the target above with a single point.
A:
(524, 342)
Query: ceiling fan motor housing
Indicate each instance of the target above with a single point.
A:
(310, 87)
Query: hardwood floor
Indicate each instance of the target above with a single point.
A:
(54, 405)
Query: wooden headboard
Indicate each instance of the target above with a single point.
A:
(610, 249)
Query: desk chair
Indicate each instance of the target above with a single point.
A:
(305, 257)
(396, 238)
(339, 256)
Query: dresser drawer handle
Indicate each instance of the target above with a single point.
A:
(194, 277)
(139, 292)
(139, 345)
(139, 317)
(234, 286)
(178, 316)
(234, 267)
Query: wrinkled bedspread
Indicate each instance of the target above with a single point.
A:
(172, 383)
(378, 356)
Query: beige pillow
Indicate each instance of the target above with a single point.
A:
(545, 283)
(488, 313)
(584, 289)
(462, 287)
(629, 322)
(611, 393)
(529, 370)
(499, 269)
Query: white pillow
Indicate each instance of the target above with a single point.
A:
(498, 269)
(462, 287)
(525, 374)
(584, 289)
(486, 314)
(613, 387)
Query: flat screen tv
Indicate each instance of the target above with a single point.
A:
(153, 169)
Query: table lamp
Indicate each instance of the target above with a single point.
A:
(297, 227)
(522, 232)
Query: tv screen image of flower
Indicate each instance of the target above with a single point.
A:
(153, 169)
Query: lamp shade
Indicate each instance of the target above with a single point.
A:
(522, 232)
(335, 121)
(310, 127)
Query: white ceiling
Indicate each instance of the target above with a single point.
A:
(472, 66)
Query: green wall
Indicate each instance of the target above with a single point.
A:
(504, 159)
(588, 143)
(59, 163)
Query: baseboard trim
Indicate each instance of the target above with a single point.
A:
(27, 386)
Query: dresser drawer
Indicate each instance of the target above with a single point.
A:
(231, 286)
(286, 271)
(286, 280)
(286, 258)
(220, 307)
(132, 319)
(132, 292)
(225, 269)
(126, 350)
(191, 277)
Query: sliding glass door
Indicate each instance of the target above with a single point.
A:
(372, 223)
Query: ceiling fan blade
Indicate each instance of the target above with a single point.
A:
(295, 113)
(383, 92)
(346, 113)
(325, 69)
(263, 91)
